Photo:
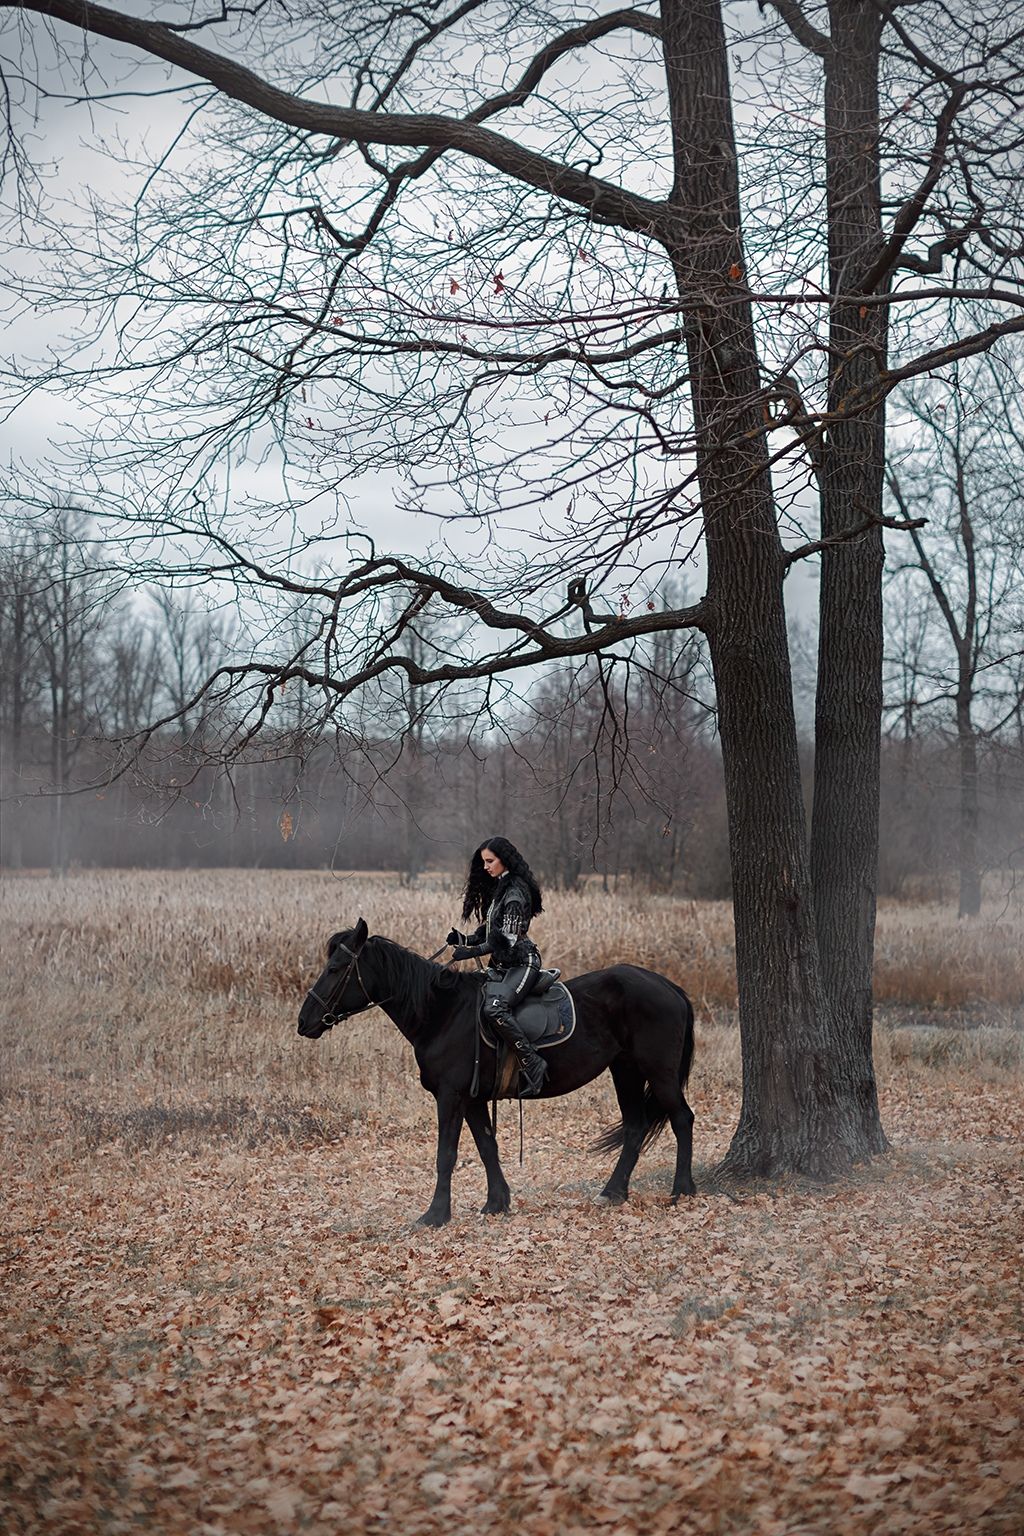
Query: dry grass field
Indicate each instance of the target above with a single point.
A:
(219, 1318)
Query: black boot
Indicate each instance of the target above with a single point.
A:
(533, 1069)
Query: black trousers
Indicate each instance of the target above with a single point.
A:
(503, 993)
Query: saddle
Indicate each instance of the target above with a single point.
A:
(546, 1017)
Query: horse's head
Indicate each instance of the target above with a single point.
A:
(338, 991)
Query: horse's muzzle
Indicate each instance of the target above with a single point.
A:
(312, 1027)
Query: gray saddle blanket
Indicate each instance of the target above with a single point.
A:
(546, 1020)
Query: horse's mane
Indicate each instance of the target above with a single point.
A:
(411, 976)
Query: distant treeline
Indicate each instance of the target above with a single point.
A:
(600, 768)
(435, 806)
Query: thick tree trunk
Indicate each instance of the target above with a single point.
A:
(848, 705)
(796, 1113)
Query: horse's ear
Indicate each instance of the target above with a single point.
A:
(359, 935)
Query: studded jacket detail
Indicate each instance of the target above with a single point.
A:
(503, 932)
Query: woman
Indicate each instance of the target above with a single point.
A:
(501, 891)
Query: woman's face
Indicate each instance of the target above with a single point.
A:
(492, 864)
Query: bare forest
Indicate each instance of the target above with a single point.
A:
(84, 668)
(594, 426)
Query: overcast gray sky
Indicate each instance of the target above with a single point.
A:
(86, 153)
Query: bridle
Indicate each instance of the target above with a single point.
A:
(329, 1017)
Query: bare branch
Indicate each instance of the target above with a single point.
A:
(848, 535)
(568, 42)
(802, 29)
(912, 209)
(603, 201)
(940, 357)
(924, 562)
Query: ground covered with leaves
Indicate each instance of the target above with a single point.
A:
(211, 1333)
(219, 1317)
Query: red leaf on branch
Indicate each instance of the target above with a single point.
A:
(735, 271)
(453, 286)
(499, 282)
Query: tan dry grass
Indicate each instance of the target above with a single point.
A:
(180, 990)
(926, 958)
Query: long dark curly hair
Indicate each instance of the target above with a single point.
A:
(480, 886)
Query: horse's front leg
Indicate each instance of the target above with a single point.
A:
(499, 1198)
(450, 1111)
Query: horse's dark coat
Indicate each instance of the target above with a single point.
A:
(634, 1022)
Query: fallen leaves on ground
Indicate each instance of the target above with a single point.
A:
(224, 1339)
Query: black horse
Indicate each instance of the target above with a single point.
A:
(634, 1022)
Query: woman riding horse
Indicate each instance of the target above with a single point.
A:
(503, 894)
(635, 1023)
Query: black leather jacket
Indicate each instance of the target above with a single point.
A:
(502, 934)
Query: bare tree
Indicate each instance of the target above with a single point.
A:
(21, 675)
(321, 271)
(194, 640)
(961, 460)
(69, 605)
(132, 667)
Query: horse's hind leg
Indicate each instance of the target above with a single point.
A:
(629, 1090)
(671, 1101)
(673, 1105)
(478, 1118)
(681, 1121)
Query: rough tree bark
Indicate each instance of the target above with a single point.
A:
(795, 1114)
(848, 702)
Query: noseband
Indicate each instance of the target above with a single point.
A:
(330, 1017)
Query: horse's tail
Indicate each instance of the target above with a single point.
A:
(614, 1138)
(688, 1038)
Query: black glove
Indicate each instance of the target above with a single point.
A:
(454, 937)
(462, 952)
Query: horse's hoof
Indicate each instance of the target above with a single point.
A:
(684, 1194)
(496, 1210)
(612, 1197)
(433, 1219)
